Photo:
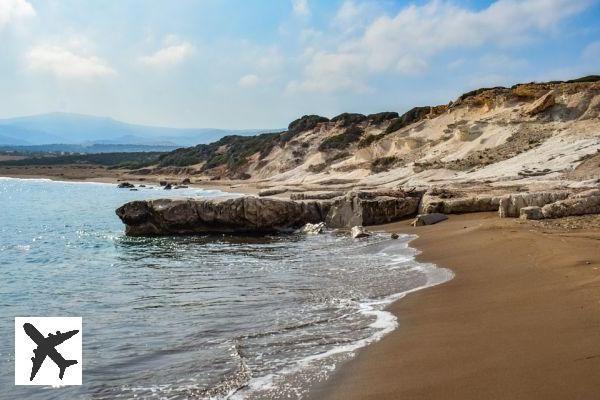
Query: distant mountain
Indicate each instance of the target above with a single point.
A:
(63, 128)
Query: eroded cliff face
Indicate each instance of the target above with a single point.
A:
(529, 133)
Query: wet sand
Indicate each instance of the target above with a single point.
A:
(520, 320)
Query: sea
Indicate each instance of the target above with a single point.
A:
(196, 317)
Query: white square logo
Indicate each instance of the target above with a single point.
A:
(48, 351)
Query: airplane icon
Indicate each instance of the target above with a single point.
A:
(46, 347)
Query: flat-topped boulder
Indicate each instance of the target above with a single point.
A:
(251, 215)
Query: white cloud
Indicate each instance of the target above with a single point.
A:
(327, 72)
(249, 81)
(13, 11)
(352, 16)
(170, 55)
(65, 63)
(301, 7)
(406, 42)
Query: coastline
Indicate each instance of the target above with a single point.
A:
(519, 320)
(102, 175)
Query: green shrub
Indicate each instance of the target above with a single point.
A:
(383, 164)
(366, 142)
(316, 168)
(341, 141)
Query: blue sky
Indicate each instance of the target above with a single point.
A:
(262, 63)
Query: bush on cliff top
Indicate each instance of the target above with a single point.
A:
(305, 123)
(348, 119)
(411, 116)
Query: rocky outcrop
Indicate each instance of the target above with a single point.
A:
(370, 208)
(433, 202)
(511, 205)
(429, 219)
(313, 229)
(263, 215)
(579, 204)
(542, 104)
(359, 232)
(237, 215)
(533, 212)
(125, 185)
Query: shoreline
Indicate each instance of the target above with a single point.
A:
(233, 187)
(518, 320)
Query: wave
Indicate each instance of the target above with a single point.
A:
(385, 323)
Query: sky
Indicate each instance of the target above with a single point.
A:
(262, 63)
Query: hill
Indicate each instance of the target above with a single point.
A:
(529, 134)
(63, 128)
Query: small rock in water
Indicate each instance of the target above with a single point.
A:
(395, 236)
(125, 185)
(141, 185)
(181, 187)
(359, 232)
(313, 229)
(168, 186)
(133, 190)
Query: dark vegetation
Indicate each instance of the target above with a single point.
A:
(383, 164)
(305, 123)
(341, 141)
(411, 116)
(74, 149)
(381, 117)
(233, 151)
(316, 168)
(113, 160)
(476, 92)
(348, 119)
(366, 142)
(589, 78)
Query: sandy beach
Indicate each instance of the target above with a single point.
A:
(520, 320)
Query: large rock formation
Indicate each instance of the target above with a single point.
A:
(542, 104)
(262, 215)
(370, 208)
(237, 215)
(511, 205)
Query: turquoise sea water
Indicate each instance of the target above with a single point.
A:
(190, 317)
